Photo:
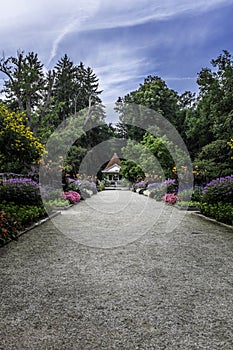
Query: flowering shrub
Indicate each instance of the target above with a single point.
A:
(219, 190)
(81, 186)
(22, 214)
(141, 184)
(72, 196)
(8, 228)
(20, 191)
(154, 185)
(159, 189)
(170, 198)
(17, 139)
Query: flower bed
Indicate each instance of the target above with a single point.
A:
(15, 218)
(217, 200)
(20, 191)
(85, 188)
(157, 190)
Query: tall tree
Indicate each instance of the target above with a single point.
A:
(216, 94)
(28, 87)
(212, 119)
(64, 88)
(153, 94)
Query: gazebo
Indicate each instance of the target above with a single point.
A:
(112, 169)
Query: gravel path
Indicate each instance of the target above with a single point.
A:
(118, 271)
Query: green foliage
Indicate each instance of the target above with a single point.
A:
(57, 203)
(158, 100)
(49, 98)
(14, 218)
(212, 118)
(100, 186)
(187, 204)
(131, 171)
(155, 156)
(215, 159)
(222, 212)
(75, 86)
(22, 214)
(159, 148)
(230, 144)
(28, 88)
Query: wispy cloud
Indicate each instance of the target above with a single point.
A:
(123, 41)
(74, 23)
(124, 12)
(69, 27)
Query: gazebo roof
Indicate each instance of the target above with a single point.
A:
(113, 161)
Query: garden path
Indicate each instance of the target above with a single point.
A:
(118, 271)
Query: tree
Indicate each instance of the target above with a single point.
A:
(153, 94)
(28, 89)
(64, 88)
(216, 94)
(215, 159)
(131, 171)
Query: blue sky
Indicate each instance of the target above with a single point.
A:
(122, 41)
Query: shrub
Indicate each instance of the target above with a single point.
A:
(81, 186)
(222, 212)
(190, 195)
(159, 189)
(17, 140)
(20, 191)
(14, 218)
(219, 190)
(170, 198)
(22, 214)
(141, 184)
(8, 229)
(72, 196)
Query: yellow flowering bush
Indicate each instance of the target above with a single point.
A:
(18, 145)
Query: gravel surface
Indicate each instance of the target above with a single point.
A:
(118, 271)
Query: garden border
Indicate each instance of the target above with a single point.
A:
(203, 217)
(36, 224)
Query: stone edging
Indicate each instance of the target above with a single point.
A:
(203, 217)
(197, 213)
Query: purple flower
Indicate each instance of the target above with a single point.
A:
(141, 184)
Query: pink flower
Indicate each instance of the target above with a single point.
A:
(72, 196)
(170, 198)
